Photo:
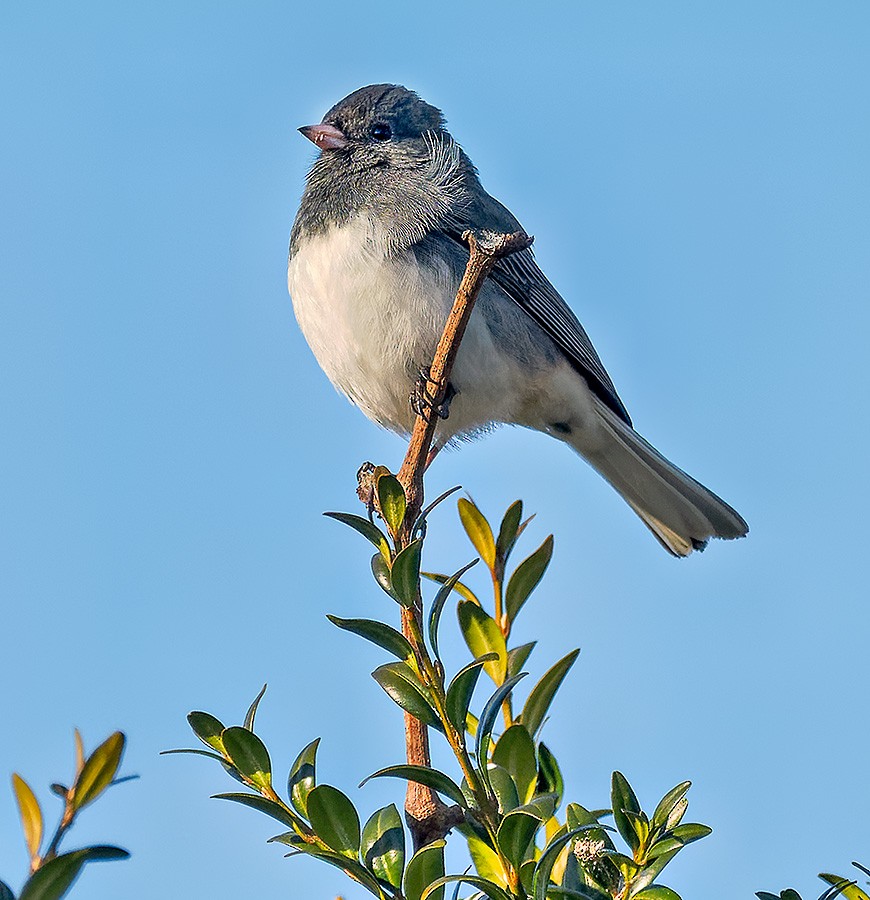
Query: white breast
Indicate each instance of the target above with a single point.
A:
(368, 317)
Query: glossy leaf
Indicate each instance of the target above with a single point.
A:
(509, 530)
(849, 889)
(99, 770)
(667, 805)
(578, 892)
(486, 861)
(656, 892)
(383, 845)
(487, 720)
(6, 892)
(678, 838)
(429, 777)
(30, 814)
(263, 805)
(538, 703)
(405, 573)
(378, 633)
(249, 755)
(460, 691)
(334, 819)
(425, 868)
(515, 835)
(302, 777)
(52, 880)
(438, 605)
(515, 751)
(483, 636)
(194, 752)
(549, 775)
(402, 685)
(463, 590)
(251, 714)
(517, 658)
(623, 800)
(347, 865)
(503, 787)
(369, 531)
(526, 578)
(208, 729)
(478, 530)
(487, 888)
(381, 571)
(391, 499)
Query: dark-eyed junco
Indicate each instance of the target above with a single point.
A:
(375, 259)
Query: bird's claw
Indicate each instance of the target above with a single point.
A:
(423, 398)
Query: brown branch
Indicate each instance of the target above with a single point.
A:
(428, 818)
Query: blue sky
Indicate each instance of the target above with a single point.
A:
(696, 177)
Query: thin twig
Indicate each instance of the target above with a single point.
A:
(428, 818)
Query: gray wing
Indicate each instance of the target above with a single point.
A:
(523, 281)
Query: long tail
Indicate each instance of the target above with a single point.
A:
(679, 511)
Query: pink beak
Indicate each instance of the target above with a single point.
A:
(327, 137)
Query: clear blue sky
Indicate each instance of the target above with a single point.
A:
(696, 176)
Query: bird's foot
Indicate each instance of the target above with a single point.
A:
(424, 397)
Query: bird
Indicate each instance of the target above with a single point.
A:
(376, 255)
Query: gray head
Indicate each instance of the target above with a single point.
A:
(377, 125)
(386, 153)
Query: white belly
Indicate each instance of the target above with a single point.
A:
(373, 320)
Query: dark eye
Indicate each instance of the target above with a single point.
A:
(381, 131)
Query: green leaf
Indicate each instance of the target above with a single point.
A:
(249, 755)
(369, 531)
(383, 845)
(52, 880)
(438, 605)
(542, 807)
(334, 819)
(667, 805)
(6, 892)
(656, 892)
(509, 530)
(526, 578)
(252, 709)
(515, 835)
(30, 814)
(302, 777)
(538, 703)
(849, 889)
(405, 573)
(515, 751)
(465, 592)
(425, 867)
(381, 571)
(424, 775)
(478, 530)
(208, 729)
(578, 892)
(678, 838)
(517, 658)
(402, 684)
(460, 691)
(488, 888)
(378, 633)
(503, 787)
(483, 737)
(486, 861)
(207, 753)
(347, 865)
(391, 499)
(549, 775)
(482, 635)
(263, 805)
(99, 770)
(623, 800)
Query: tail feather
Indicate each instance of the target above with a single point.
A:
(681, 513)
